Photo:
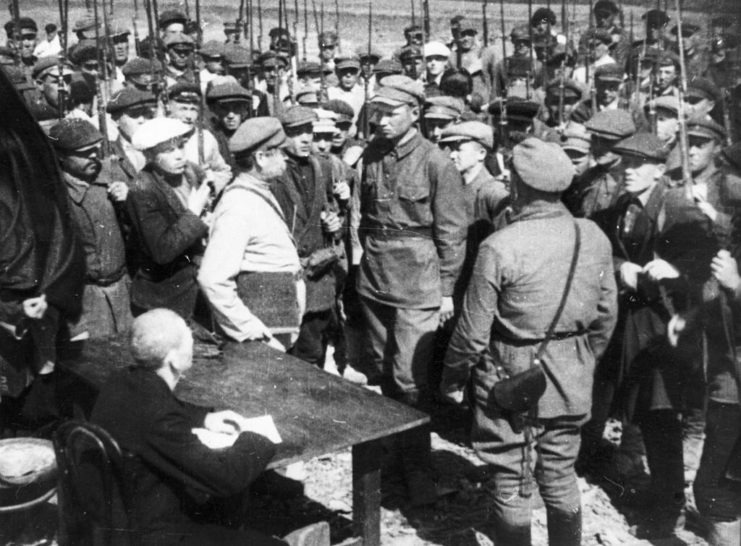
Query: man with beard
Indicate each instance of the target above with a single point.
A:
(105, 297)
(251, 249)
(412, 229)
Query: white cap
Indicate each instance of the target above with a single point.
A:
(326, 122)
(158, 130)
(438, 49)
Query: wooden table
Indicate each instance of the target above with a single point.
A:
(316, 413)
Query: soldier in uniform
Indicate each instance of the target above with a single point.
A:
(129, 109)
(141, 73)
(517, 75)
(499, 330)
(413, 234)
(180, 53)
(605, 13)
(412, 62)
(440, 113)
(230, 104)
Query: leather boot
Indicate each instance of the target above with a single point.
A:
(724, 533)
(512, 536)
(564, 528)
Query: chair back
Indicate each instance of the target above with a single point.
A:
(94, 494)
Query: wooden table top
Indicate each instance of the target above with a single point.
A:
(315, 412)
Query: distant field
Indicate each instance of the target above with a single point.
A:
(389, 16)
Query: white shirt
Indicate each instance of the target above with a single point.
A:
(247, 235)
(580, 73)
(355, 97)
(46, 48)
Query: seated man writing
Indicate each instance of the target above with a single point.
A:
(173, 468)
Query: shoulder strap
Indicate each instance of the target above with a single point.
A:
(565, 296)
(263, 197)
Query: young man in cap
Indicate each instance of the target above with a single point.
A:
(241, 66)
(25, 44)
(129, 109)
(50, 45)
(598, 42)
(328, 49)
(576, 141)
(171, 23)
(561, 97)
(201, 148)
(165, 207)
(251, 248)
(437, 57)
(516, 75)
(343, 145)
(272, 82)
(533, 255)
(49, 81)
(141, 73)
(180, 56)
(349, 90)
(105, 297)
(600, 186)
(119, 37)
(605, 15)
(704, 98)
(651, 376)
(231, 104)
(439, 113)
(212, 54)
(306, 194)
(412, 62)
(667, 75)
(175, 471)
(413, 233)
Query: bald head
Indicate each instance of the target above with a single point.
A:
(161, 336)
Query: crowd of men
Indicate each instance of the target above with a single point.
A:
(448, 217)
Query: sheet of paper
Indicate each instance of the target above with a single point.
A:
(215, 440)
(263, 425)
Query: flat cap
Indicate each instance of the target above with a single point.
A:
(311, 69)
(49, 64)
(271, 58)
(443, 107)
(326, 121)
(328, 37)
(129, 97)
(410, 52)
(412, 29)
(575, 137)
(436, 49)
(237, 56)
(543, 14)
(230, 27)
(542, 165)
(158, 130)
(655, 18)
(74, 134)
(606, 6)
(645, 146)
(667, 103)
(610, 72)
(517, 110)
(86, 23)
(256, 135)
(372, 56)
(476, 131)
(118, 32)
(138, 66)
(347, 62)
(85, 50)
(212, 49)
(179, 38)
(612, 124)
(343, 110)
(705, 126)
(308, 95)
(397, 90)
(279, 32)
(571, 89)
(186, 92)
(520, 33)
(229, 91)
(703, 88)
(170, 16)
(668, 58)
(296, 116)
(387, 67)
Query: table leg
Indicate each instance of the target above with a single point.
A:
(366, 491)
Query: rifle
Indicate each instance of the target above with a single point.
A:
(622, 15)
(306, 28)
(17, 32)
(292, 76)
(197, 75)
(295, 25)
(259, 23)
(565, 22)
(102, 119)
(323, 80)
(503, 130)
(337, 24)
(683, 139)
(530, 29)
(484, 22)
(414, 19)
(240, 23)
(426, 18)
(366, 79)
(61, 87)
(108, 54)
(187, 10)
